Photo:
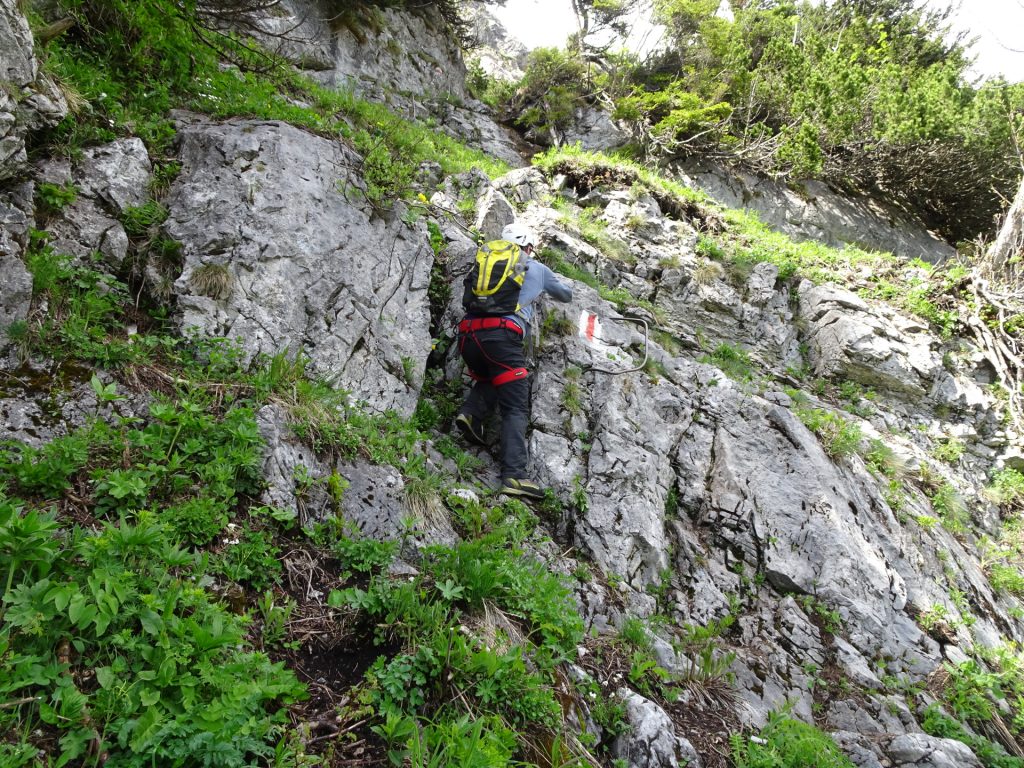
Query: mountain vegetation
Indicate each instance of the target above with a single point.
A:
(872, 97)
(155, 610)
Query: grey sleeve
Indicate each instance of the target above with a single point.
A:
(556, 288)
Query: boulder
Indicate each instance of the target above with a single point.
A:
(918, 750)
(282, 252)
(108, 180)
(651, 740)
(877, 348)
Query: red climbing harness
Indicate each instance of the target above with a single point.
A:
(468, 329)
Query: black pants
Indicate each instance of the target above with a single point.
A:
(488, 354)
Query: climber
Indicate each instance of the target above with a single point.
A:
(498, 297)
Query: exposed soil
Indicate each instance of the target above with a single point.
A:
(330, 652)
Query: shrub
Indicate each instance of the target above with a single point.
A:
(787, 743)
(1007, 488)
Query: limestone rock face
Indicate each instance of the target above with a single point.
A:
(499, 55)
(281, 251)
(406, 59)
(688, 480)
(916, 750)
(16, 287)
(850, 340)
(595, 131)
(28, 101)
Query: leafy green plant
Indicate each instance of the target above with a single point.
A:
(991, 755)
(830, 619)
(171, 672)
(251, 559)
(1007, 488)
(28, 544)
(84, 307)
(504, 665)
(948, 450)
(55, 197)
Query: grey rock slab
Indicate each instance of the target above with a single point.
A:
(291, 469)
(15, 294)
(376, 502)
(475, 126)
(494, 212)
(29, 100)
(19, 65)
(118, 174)
(108, 179)
(523, 185)
(18, 68)
(651, 740)
(306, 263)
(595, 131)
(861, 751)
(498, 54)
(918, 750)
(16, 284)
(849, 339)
(84, 228)
(402, 52)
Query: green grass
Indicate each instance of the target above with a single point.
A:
(733, 361)
(838, 436)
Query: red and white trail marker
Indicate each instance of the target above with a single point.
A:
(590, 332)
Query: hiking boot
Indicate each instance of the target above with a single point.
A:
(471, 428)
(523, 488)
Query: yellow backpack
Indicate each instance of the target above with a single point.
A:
(493, 284)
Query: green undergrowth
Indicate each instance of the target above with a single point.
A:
(787, 743)
(981, 703)
(128, 64)
(113, 640)
(482, 630)
(738, 240)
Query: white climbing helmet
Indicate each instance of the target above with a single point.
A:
(519, 234)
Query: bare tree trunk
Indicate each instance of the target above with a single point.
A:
(997, 284)
(1003, 262)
